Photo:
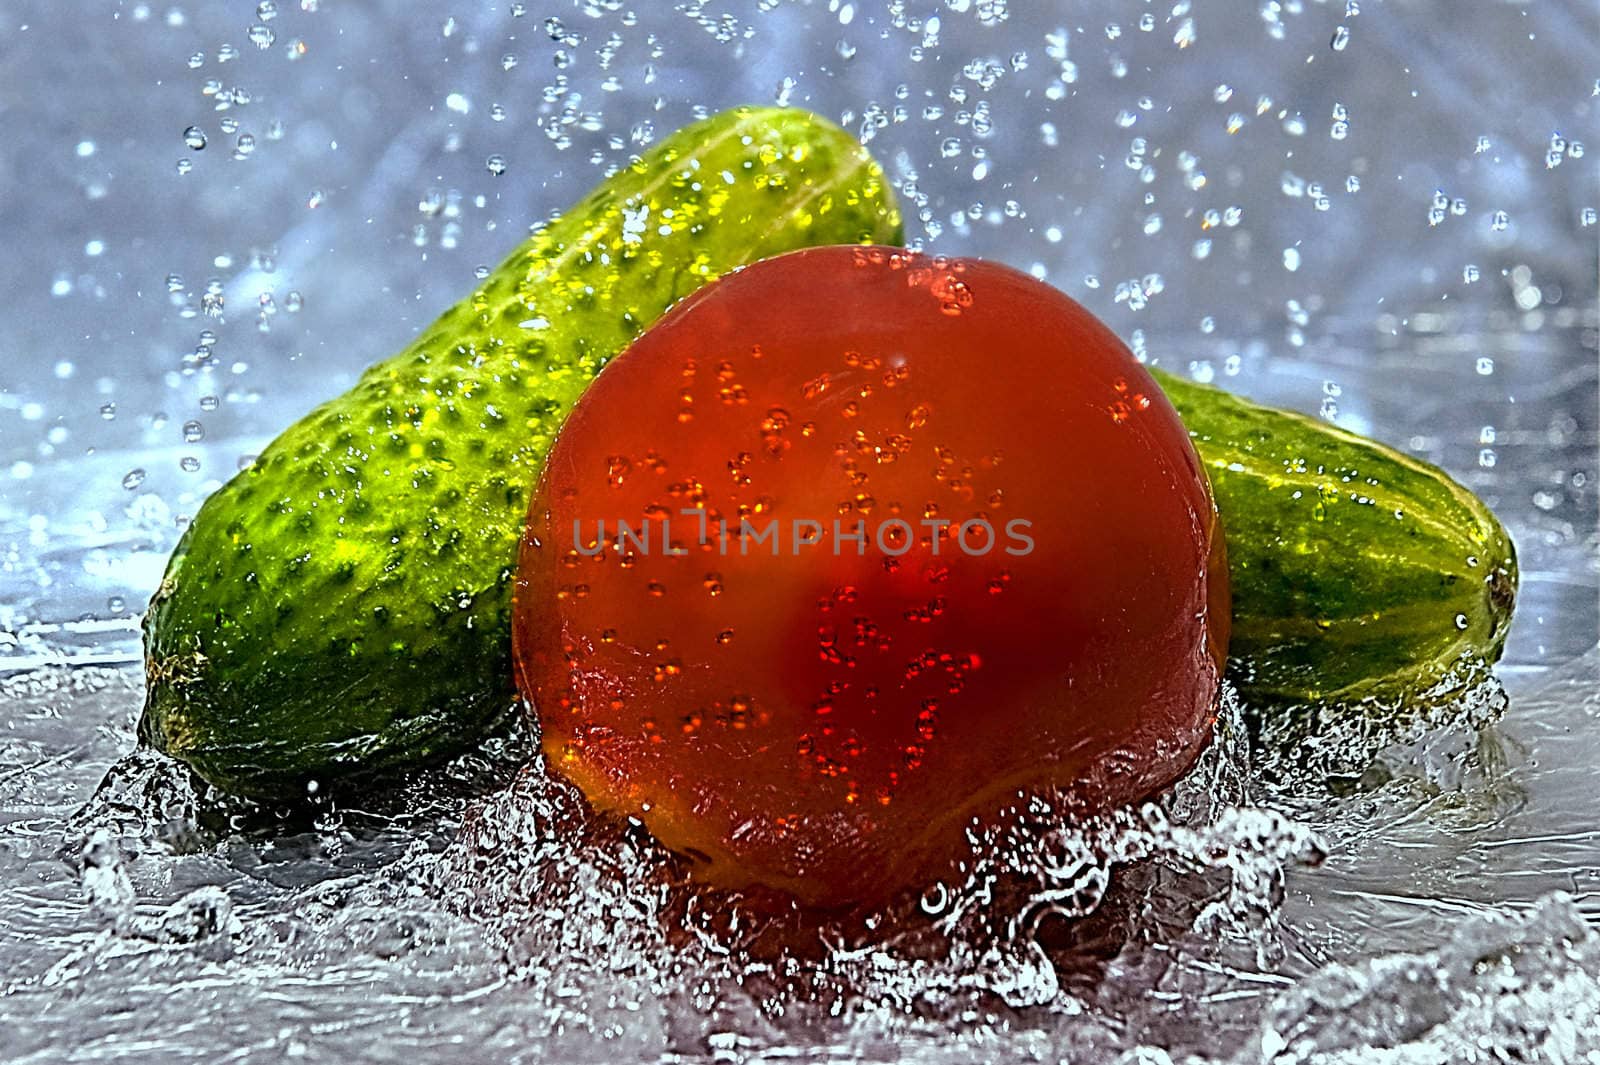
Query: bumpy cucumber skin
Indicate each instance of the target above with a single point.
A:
(341, 609)
(1358, 572)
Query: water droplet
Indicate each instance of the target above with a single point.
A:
(495, 164)
(261, 36)
(1341, 38)
(108, 411)
(194, 138)
(1499, 221)
(133, 478)
(267, 10)
(189, 464)
(193, 432)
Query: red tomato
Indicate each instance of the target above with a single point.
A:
(978, 556)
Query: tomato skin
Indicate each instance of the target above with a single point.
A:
(828, 719)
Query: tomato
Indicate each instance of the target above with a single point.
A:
(900, 537)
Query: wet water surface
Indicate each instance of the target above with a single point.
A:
(1383, 214)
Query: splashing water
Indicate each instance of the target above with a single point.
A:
(1160, 166)
(589, 934)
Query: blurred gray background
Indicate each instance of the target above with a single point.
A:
(214, 215)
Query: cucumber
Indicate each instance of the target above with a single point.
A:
(1358, 573)
(341, 609)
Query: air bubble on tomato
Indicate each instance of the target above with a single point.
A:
(854, 546)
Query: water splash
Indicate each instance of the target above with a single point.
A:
(572, 896)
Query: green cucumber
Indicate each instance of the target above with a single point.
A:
(1358, 572)
(341, 609)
